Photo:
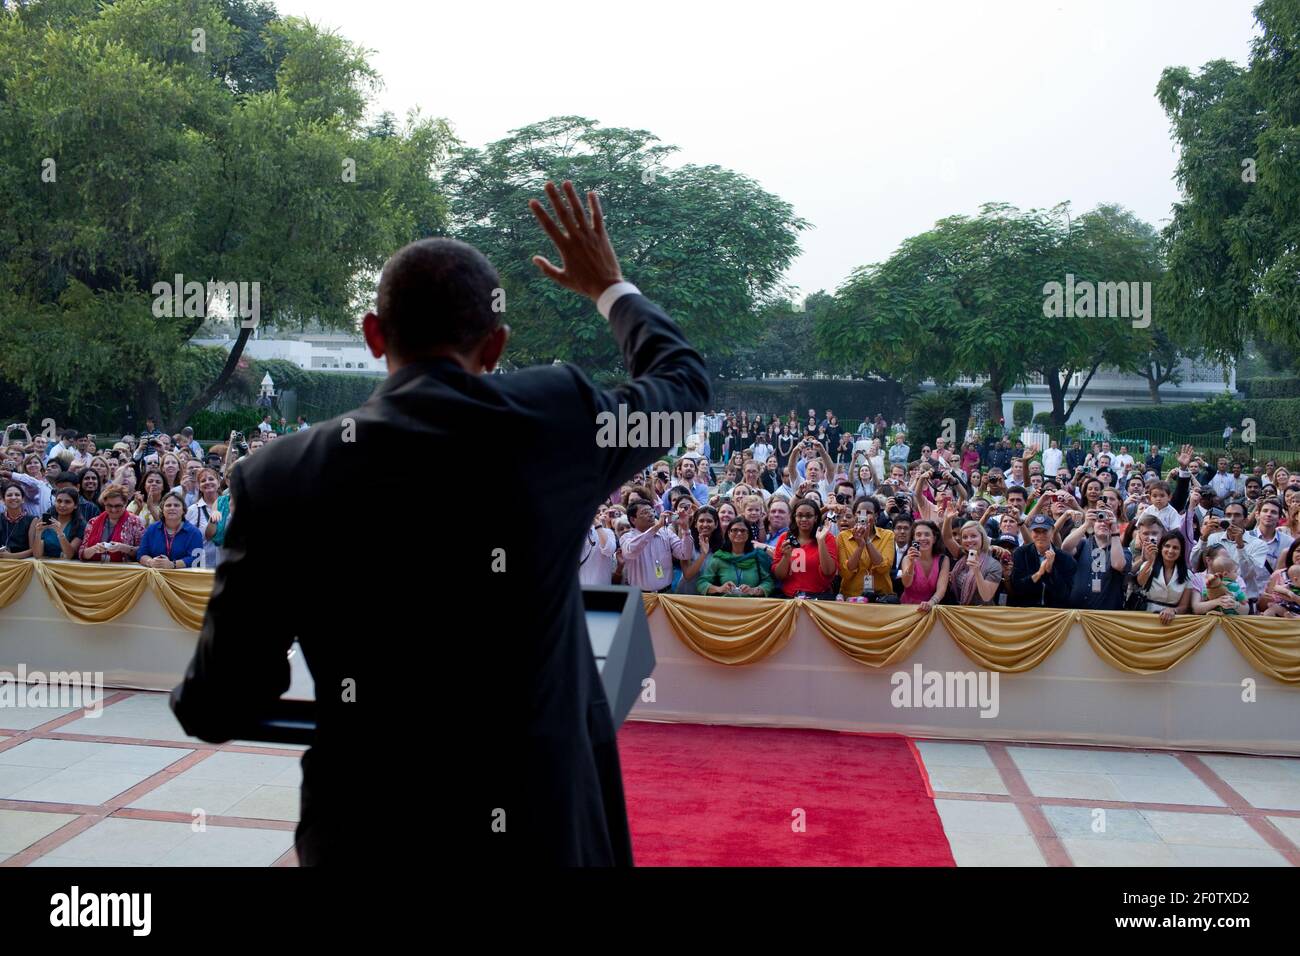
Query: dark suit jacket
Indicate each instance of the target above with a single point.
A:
(1053, 590)
(454, 678)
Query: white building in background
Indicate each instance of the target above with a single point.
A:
(319, 351)
(1112, 389)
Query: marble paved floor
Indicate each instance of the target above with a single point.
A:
(127, 787)
(1044, 805)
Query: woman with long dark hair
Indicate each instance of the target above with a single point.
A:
(147, 503)
(1165, 578)
(739, 570)
(706, 532)
(58, 533)
(89, 485)
(925, 568)
(784, 443)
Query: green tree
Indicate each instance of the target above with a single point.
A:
(967, 299)
(709, 244)
(133, 149)
(1233, 243)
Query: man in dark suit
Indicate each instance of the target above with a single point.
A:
(455, 683)
(1042, 574)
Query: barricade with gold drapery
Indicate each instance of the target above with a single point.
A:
(740, 631)
(96, 593)
(1005, 639)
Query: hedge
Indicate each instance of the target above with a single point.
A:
(320, 395)
(1022, 413)
(926, 412)
(1274, 417)
(1278, 387)
(217, 426)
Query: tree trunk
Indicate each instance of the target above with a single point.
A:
(147, 402)
(996, 386)
(208, 394)
(1052, 377)
(1153, 387)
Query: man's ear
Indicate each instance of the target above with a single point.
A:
(374, 335)
(494, 345)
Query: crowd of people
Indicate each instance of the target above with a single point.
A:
(800, 508)
(154, 499)
(790, 508)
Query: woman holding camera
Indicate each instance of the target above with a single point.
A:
(38, 494)
(866, 554)
(172, 542)
(924, 573)
(113, 535)
(58, 533)
(976, 573)
(147, 504)
(806, 557)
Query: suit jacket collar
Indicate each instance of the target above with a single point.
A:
(442, 368)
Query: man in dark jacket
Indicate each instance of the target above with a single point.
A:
(453, 673)
(1042, 574)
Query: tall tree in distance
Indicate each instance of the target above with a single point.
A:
(1233, 244)
(708, 243)
(145, 139)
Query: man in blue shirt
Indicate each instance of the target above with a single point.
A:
(187, 436)
(899, 451)
(686, 478)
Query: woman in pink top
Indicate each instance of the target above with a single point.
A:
(924, 572)
(969, 458)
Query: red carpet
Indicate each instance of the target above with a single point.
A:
(724, 796)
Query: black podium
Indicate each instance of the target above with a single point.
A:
(620, 641)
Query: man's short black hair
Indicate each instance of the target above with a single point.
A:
(67, 476)
(436, 293)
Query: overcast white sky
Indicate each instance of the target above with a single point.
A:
(874, 120)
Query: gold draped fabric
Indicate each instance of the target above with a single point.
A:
(1141, 643)
(96, 593)
(14, 576)
(1269, 643)
(876, 634)
(731, 630)
(93, 593)
(1006, 639)
(746, 630)
(184, 593)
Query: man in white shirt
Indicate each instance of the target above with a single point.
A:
(1052, 458)
(1223, 483)
(762, 450)
(1250, 553)
(1274, 539)
(65, 449)
(1123, 461)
